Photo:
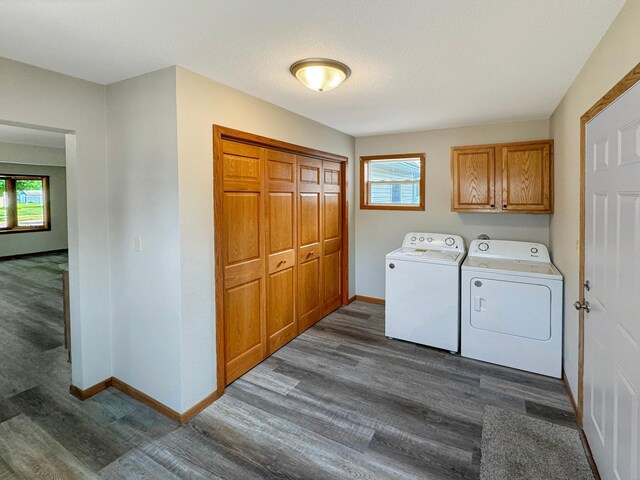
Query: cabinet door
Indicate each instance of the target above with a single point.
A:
(243, 258)
(280, 222)
(527, 177)
(310, 299)
(473, 179)
(331, 236)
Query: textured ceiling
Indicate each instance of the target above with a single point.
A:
(416, 64)
(30, 136)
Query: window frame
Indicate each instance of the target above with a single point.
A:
(12, 204)
(365, 185)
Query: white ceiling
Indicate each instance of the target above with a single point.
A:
(416, 64)
(30, 136)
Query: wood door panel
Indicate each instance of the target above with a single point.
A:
(473, 177)
(242, 167)
(244, 333)
(281, 220)
(309, 293)
(332, 281)
(310, 173)
(281, 315)
(242, 226)
(282, 260)
(309, 218)
(526, 172)
(332, 216)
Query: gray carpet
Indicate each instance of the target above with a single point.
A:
(518, 447)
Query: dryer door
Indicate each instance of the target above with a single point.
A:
(512, 308)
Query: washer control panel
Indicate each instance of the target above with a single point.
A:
(508, 250)
(439, 241)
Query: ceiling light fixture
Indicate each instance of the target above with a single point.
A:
(320, 74)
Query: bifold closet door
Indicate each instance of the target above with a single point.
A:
(310, 298)
(280, 221)
(331, 236)
(243, 258)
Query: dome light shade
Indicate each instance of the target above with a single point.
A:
(320, 74)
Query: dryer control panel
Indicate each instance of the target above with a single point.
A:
(434, 241)
(508, 250)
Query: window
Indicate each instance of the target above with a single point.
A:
(24, 203)
(392, 182)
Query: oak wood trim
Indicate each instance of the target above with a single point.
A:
(220, 134)
(351, 300)
(378, 301)
(363, 184)
(239, 136)
(12, 208)
(91, 391)
(628, 81)
(141, 397)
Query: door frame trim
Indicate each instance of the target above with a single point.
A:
(221, 133)
(628, 81)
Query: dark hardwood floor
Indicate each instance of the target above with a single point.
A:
(340, 401)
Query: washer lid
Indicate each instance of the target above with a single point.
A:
(426, 255)
(522, 268)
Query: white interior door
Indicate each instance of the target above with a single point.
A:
(612, 268)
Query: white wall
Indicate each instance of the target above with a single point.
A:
(45, 241)
(34, 97)
(380, 231)
(617, 53)
(202, 103)
(143, 202)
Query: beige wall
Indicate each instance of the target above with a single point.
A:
(380, 231)
(201, 103)
(617, 53)
(143, 203)
(32, 154)
(54, 239)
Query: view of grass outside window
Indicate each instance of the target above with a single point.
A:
(3, 203)
(393, 182)
(23, 203)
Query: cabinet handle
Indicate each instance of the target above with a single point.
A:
(282, 262)
(309, 254)
(492, 206)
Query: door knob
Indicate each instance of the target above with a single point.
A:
(582, 306)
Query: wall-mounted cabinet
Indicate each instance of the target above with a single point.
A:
(505, 177)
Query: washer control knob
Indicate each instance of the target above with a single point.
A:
(449, 241)
(483, 246)
(430, 239)
(422, 239)
(534, 250)
(392, 266)
(413, 239)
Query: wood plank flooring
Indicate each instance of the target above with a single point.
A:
(339, 401)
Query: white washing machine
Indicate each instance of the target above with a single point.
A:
(422, 283)
(512, 306)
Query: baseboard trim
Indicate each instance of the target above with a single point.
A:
(142, 397)
(91, 391)
(583, 437)
(351, 300)
(378, 301)
(34, 254)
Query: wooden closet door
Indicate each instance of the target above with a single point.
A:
(473, 179)
(310, 307)
(243, 258)
(526, 177)
(280, 173)
(331, 236)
